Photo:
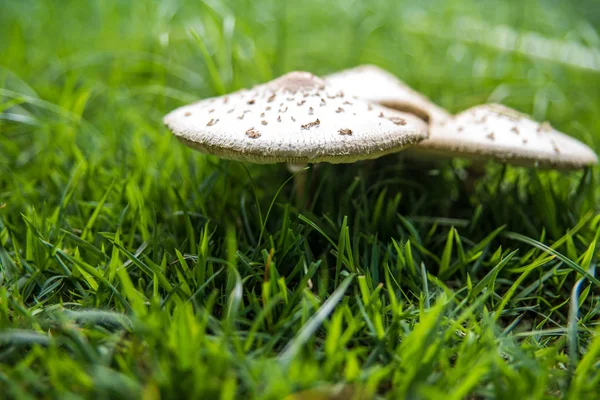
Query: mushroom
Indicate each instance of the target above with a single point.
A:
(371, 83)
(295, 119)
(298, 128)
(498, 132)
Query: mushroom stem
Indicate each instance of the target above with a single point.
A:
(474, 172)
(299, 181)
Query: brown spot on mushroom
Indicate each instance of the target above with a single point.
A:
(251, 101)
(271, 98)
(491, 136)
(556, 149)
(311, 124)
(290, 99)
(544, 127)
(398, 120)
(347, 103)
(263, 122)
(515, 130)
(268, 108)
(230, 111)
(279, 118)
(187, 114)
(461, 128)
(339, 94)
(323, 103)
(293, 119)
(241, 116)
(305, 94)
(212, 122)
(247, 111)
(339, 110)
(525, 141)
(301, 102)
(212, 110)
(262, 115)
(345, 131)
(310, 111)
(369, 107)
(252, 133)
(283, 109)
(381, 115)
(225, 100)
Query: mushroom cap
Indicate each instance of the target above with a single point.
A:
(374, 84)
(296, 118)
(496, 131)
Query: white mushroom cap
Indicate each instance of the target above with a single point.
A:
(296, 118)
(499, 132)
(374, 84)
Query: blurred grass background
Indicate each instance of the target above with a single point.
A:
(101, 209)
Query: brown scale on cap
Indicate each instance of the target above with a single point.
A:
(310, 111)
(262, 115)
(241, 116)
(398, 120)
(491, 136)
(187, 114)
(212, 122)
(251, 101)
(212, 110)
(283, 109)
(339, 110)
(525, 141)
(482, 120)
(264, 122)
(268, 108)
(293, 119)
(556, 149)
(381, 115)
(515, 130)
(544, 127)
(345, 131)
(323, 103)
(252, 133)
(271, 98)
(279, 118)
(311, 124)
(230, 111)
(301, 102)
(347, 103)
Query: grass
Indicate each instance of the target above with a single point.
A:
(133, 267)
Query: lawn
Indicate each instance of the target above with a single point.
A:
(134, 267)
